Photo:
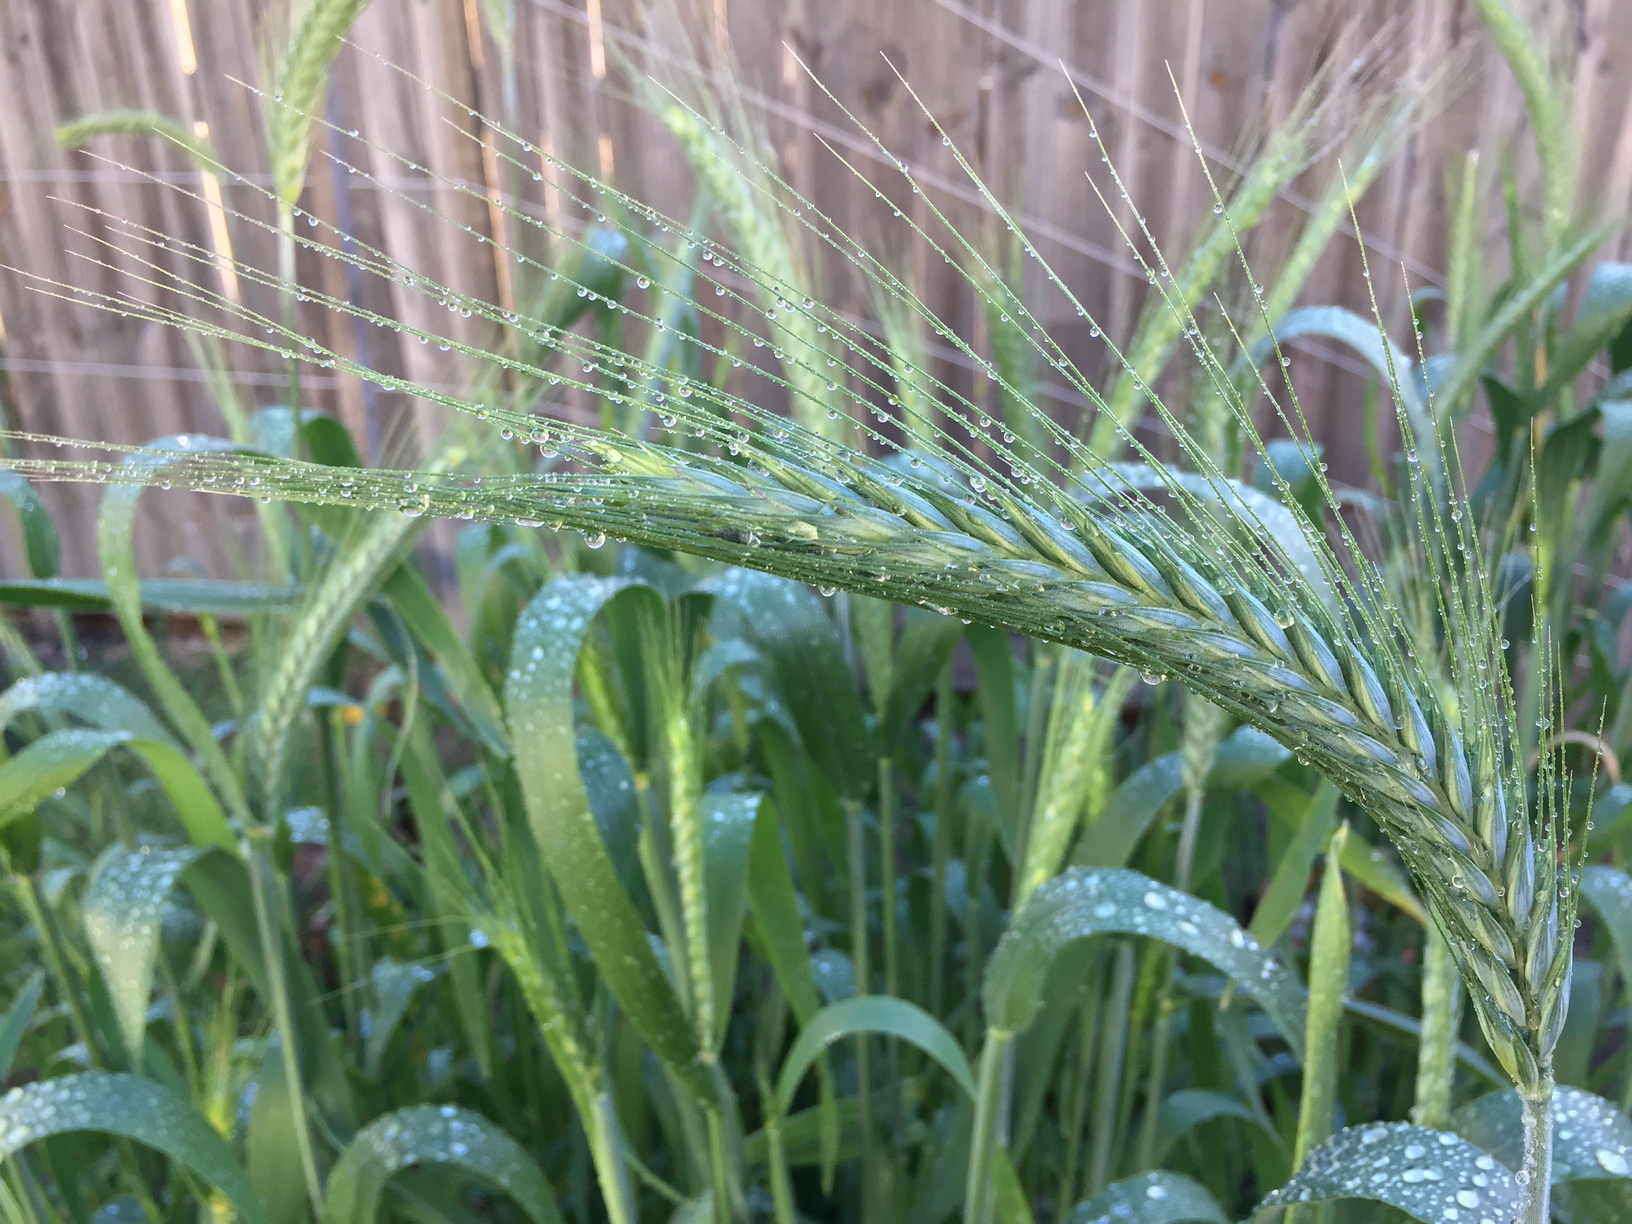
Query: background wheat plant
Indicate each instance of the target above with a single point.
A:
(668, 887)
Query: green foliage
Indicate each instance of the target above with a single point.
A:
(547, 902)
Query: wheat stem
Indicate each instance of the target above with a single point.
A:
(1535, 1175)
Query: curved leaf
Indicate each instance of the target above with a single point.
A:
(394, 985)
(169, 594)
(427, 1134)
(793, 633)
(135, 1108)
(40, 541)
(60, 758)
(115, 543)
(122, 912)
(871, 1014)
(538, 702)
(1591, 1138)
(1185, 1110)
(86, 696)
(1245, 757)
(1609, 892)
(1432, 1176)
(1150, 1198)
(1100, 901)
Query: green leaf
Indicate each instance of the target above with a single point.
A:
(165, 594)
(994, 670)
(538, 699)
(1432, 1176)
(1605, 309)
(417, 605)
(1150, 1198)
(1084, 903)
(60, 758)
(775, 906)
(271, 1142)
(86, 696)
(728, 831)
(1514, 309)
(792, 631)
(1592, 1140)
(14, 1025)
(1246, 756)
(1189, 1108)
(40, 541)
(1129, 812)
(134, 1108)
(1291, 879)
(115, 541)
(122, 911)
(426, 1134)
(1612, 486)
(1609, 892)
(394, 986)
(871, 1014)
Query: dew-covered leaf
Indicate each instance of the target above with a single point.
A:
(1609, 892)
(122, 911)
(86, 696)
(58, 759)
(1101, 901)
(539, 706)
(1432, 1176)
(871, 1014)
(1151, 1198)
(428, 1134)
(610, 788)
(134, 1108)
(1591, 1138)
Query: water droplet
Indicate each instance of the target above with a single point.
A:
(1613, 1162)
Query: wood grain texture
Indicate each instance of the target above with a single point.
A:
(1007, 79)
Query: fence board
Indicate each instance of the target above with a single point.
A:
(989, 70)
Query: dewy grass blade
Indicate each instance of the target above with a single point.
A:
(434, 1135)
(1426, 1175)
(1084, 903)
(137, 1109)
(538, 700)
(122, 911)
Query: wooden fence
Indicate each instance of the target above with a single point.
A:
(1008, 80)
